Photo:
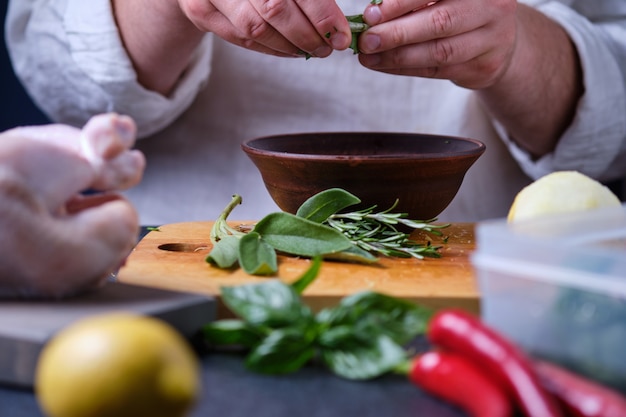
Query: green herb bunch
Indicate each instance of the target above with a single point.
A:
(361, 338)
(319, 228)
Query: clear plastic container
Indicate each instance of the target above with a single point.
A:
(557, 287)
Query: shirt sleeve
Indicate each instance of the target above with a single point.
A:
(595, 142)
(70, 58)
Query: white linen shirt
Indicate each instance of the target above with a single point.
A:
(69, 55)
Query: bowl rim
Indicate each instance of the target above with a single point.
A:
(477, 150)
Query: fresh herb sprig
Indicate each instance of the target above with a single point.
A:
(362, 337)
(319, 228)
(377, 232)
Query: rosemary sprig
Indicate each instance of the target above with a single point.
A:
(377, 232)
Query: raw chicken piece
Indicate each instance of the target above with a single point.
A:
(56, 242)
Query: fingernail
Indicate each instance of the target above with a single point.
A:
(372, 15)
(323, 51)
(339, 41)
(370, 42)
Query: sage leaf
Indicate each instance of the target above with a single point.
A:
(353, 254)
(360, 361)
(283, 351)
(255, 256)
(298, 236)
(225, 252)
(231, 332)
(271, 304)
(322, 205)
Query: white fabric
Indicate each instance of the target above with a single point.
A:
(70, 57)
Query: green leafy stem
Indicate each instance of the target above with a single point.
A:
(319, 228)
(363, 337)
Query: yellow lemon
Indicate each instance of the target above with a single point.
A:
(117, 365)
(560, 192)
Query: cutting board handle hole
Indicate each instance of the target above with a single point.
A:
(183, 247)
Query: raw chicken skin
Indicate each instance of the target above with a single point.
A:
(55, 241)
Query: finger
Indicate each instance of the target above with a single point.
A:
(438, 53)
(313, 25)
(239, 25)
(270, 42)
(473, 58)
(449, 58)
(443, 20)
(329, 21)
(376, 13)
(285, 18)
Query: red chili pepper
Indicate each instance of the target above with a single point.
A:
(579, 396)
(461, 332)
(453, 378)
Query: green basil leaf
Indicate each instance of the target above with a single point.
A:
(283, 351)
(271, 304)
(322, 205)
(361, 361)
(297, 236)
(225, 252)
(341, 337)
(255, 256)
(374, 313)
(309, 275)
(353, 254)
(231, 332)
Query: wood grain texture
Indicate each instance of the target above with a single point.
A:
(174, 258)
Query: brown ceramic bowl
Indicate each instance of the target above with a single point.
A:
(424, 172)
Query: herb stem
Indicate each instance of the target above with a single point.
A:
(358, 27)
(221, 228)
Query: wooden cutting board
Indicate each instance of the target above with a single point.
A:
(174, 258)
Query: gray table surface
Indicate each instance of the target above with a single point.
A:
(229, 390)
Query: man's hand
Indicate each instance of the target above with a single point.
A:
(468, 42)
(523, 65)
(278, 27)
